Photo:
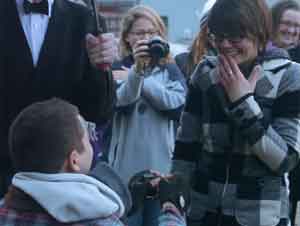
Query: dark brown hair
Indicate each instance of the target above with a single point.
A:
(278, 10)
(43, 134)
(241, 18)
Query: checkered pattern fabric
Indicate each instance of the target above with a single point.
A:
(18, 218)
(236, 154)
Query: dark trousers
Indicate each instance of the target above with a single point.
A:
(5, 181)
(294, 178)
(212, 219)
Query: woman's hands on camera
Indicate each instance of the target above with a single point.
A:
(141, 56)
(148, 53)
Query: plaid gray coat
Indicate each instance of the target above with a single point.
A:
(237, 154)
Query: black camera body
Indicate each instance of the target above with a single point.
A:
(151, 192)
(174, 189)
(141, 189)
(158, 48)
(142, 181)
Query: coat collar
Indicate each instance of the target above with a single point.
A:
(16, 199)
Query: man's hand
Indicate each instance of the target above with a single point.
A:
(121, 74)
(233, 80)
(175, 189)
(143, 185)
(101, 49)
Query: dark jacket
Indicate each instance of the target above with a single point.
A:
(63, 68)
(238, 153)
(181, 61)
(295, 53)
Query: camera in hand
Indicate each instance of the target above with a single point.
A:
(141, 189)
(158, 48)
(172, 189)
(141, 182)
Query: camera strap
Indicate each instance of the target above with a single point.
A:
(175, 74)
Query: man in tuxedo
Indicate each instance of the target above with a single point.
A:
(47, 49)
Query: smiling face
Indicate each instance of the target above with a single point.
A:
(244, 32)
(242, 50)
(289, 29)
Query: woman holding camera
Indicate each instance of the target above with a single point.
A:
(240, 128)
(148, 102)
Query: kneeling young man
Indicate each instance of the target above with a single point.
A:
(50, 149)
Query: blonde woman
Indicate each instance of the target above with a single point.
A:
(149, 99)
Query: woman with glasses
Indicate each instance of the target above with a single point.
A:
(149, 99)
(286, 27)
(240, 128)
(286, 24)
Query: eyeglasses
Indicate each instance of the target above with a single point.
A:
(288, 23)
(142, 33)
(230, 38)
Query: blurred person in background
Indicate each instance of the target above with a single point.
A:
(239, 132)
(150, 96)
(286, 27)
(286, 33)
(200, 48)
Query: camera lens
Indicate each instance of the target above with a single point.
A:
(158, 48)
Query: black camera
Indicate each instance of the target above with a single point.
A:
(174, 189)
(158, 48)
(141, 189)
(141, 182)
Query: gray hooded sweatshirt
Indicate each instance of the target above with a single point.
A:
(70, 197)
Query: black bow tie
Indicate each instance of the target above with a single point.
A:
(40, 7)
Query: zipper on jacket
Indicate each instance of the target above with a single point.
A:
(226, 180)
(219, 209)
(115, 154)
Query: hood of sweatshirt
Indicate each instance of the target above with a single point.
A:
(70, 197)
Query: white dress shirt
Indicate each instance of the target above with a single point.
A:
(35, 27)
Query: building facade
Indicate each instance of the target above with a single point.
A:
(181, 16)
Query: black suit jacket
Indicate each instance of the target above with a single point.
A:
(63, 68)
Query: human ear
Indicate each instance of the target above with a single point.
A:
(73, 162)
